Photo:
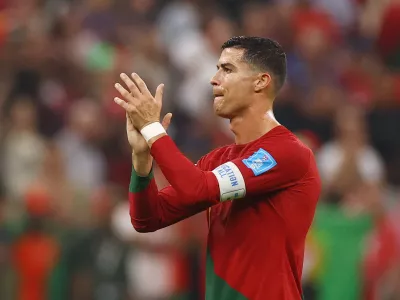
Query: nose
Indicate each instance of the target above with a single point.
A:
(214, 80)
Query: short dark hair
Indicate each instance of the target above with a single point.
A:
(262, 53)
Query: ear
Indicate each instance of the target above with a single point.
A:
(263, 80)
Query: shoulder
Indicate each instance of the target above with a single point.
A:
(284, 143)
(288, 152)
(208, 159)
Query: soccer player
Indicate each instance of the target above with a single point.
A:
(259, 193)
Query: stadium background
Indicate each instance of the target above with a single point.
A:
(65, 161)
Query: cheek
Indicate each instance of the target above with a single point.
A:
(230, 83)
(238, 90)
(238, 82)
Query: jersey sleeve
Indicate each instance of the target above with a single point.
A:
(264, 169)
(151, 209)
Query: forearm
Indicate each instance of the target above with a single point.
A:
(148, 208)
(151, 209)
(143, 201)
(142, 163)
(194, 185)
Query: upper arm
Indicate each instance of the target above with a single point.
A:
(263, 169)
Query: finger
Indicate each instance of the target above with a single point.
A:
(124, 93)
(159, 93)
(131, 85)
(141, 85)
(129, 108)
(166, 120)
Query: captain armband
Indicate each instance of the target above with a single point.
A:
(231, 182)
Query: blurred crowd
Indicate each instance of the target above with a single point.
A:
(65, 163)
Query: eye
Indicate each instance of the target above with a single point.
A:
(227, 70)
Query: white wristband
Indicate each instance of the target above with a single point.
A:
(152, 130)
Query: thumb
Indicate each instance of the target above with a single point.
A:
(159, 93)
(166, 120)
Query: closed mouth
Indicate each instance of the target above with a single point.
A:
(217, 93)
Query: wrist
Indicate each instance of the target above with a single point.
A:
(152, 132)
(139, 182)
(154, 139)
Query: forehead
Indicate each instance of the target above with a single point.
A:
(232, 56)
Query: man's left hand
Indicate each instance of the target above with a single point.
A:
(140, 105)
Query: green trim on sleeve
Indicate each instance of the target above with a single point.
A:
(139, 183)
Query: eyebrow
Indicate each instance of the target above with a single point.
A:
(225, 65)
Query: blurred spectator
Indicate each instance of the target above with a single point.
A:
(35, 254)
(85, 164)
(349, 155)
(23, 148)
(97, 260)
(53, 190)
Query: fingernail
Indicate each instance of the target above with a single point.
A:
(116, 85)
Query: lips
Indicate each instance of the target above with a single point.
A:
(217, 94)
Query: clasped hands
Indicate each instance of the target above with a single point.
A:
(141, 109)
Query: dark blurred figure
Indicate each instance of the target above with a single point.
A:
(97, 260)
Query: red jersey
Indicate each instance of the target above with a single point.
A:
(260, 200)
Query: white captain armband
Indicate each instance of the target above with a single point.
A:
(231, 182)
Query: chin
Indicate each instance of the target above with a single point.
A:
(222, 114)
(221, 110)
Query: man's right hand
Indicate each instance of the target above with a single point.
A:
(141, 158)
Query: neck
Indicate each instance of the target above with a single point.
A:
(252, 125)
